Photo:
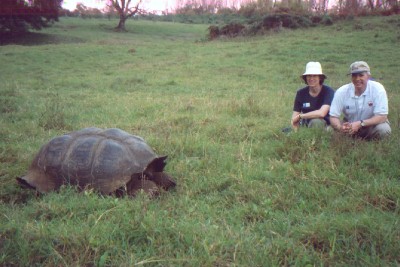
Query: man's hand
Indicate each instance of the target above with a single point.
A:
(346, 128)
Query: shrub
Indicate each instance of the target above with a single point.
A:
(232, 29)
(213, 32)
(326, 20)
(286, 20)
(275, 22)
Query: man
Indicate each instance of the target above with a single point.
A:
(363, 103)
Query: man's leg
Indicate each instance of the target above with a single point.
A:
(379, 131)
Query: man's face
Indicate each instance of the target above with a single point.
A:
(360, 80)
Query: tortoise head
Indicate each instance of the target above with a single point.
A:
(135, 185)
(162, 179)
(154, 172)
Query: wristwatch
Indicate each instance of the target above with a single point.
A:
(362, 123)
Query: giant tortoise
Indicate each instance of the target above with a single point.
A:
(110, 161)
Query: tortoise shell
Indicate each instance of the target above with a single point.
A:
(103, 159)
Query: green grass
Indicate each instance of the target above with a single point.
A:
(247, 194)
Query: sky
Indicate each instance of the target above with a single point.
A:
(149, 5)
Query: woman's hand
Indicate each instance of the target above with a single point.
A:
(295, 121)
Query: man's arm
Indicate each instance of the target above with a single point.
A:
(335, 123)
(374, 120)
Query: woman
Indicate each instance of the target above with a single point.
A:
(312, 103)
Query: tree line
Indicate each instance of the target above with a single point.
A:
(338, 7)
(22, 15)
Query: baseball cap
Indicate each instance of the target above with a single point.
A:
(359, 67)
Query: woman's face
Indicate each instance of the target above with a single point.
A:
(313, 80)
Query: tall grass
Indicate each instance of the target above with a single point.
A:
(247, 194)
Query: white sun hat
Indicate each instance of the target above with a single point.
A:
(314, 68)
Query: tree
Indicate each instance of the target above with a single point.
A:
(20, 15)
(124, 11)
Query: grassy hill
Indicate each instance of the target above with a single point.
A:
(247, 194)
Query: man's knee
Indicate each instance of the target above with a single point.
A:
(384, 129)
(381, 130)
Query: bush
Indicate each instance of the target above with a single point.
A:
(275, 22)
(213, 32)
(326, 20)
(232, 29)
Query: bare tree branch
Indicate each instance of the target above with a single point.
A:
(124, 10)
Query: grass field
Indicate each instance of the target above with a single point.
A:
(247, 194)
